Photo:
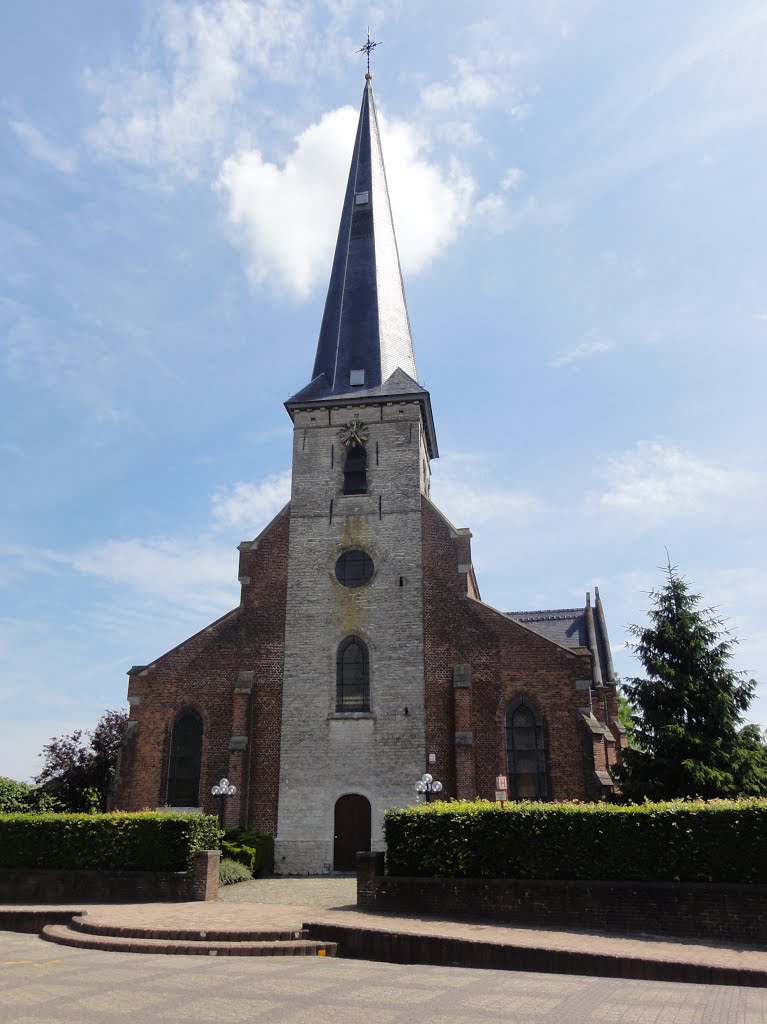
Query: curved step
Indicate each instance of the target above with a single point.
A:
(86, 925)
(66, 936)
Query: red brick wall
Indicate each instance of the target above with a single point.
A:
(714, 911)
(507, 661)
(202, 674)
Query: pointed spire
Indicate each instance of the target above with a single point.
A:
(365, 349)
(365, 332)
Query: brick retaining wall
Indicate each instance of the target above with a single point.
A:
(713, 911)
(29, 885)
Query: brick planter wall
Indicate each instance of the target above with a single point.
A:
(701, 910)
(29, 885)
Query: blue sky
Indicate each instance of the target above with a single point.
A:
(579, 197)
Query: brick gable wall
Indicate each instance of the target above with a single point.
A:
(477, 661)
(231, 674)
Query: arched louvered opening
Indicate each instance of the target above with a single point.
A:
(356, 470)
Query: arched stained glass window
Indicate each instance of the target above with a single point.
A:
(352, 676)
(356, 470)
(185, 760)
(525, 752)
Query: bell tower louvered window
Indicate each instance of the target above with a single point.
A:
(356, 470)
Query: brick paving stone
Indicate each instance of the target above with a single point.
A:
(323, 891)
(288, 903)
(45, 984)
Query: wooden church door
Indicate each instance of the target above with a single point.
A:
(351, 830)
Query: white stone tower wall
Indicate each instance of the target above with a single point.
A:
(380, 754)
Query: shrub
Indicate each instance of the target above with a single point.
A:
(720, 841)
(231, 871)
(254, 849)
(23, 798)
(149, 841)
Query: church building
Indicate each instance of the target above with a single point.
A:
(361, 654)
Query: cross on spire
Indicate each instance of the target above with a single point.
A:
(367, 48)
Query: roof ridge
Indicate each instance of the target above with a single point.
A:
(549, 612)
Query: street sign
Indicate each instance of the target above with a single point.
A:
(501, 795)
(501, 782)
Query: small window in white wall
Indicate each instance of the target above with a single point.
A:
(357, 377)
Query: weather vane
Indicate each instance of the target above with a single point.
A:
(369, 45)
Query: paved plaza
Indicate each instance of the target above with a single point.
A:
(45, 984)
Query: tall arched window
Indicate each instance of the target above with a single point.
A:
(185, 760)
(356, 470)
(525, 752)
(352, 676)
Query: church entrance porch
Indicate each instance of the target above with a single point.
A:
(351, 831)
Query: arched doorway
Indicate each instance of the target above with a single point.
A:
(351, 830)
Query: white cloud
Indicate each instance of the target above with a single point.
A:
(657, 481)
(513, 179)
(36, 144)
(195, 574)
(469, 88)
(251, 506)
(287, 217)
(459, 134)
(175, 103)
(463, 487)
(500, 216)
(583, 351)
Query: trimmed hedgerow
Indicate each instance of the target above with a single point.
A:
(148, 841)
(693, 841)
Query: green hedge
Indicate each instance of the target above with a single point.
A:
(720, 841)
(129, 842)
(253, 849)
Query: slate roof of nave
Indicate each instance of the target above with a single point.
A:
(568, 627)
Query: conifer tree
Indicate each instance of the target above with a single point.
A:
(687, 712)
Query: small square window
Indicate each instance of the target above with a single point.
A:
(361, 198)
(357, 377)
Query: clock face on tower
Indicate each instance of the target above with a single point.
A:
(353, 433)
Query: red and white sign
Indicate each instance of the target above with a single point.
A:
(501, 782)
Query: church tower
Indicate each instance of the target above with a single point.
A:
(353, 717)
(361, 653)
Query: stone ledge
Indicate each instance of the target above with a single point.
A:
(436, 950)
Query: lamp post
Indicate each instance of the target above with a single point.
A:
(224, 788)
(427, 784)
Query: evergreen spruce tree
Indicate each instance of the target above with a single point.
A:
(687, 712)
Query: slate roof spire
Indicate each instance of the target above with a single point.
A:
(365, 347)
